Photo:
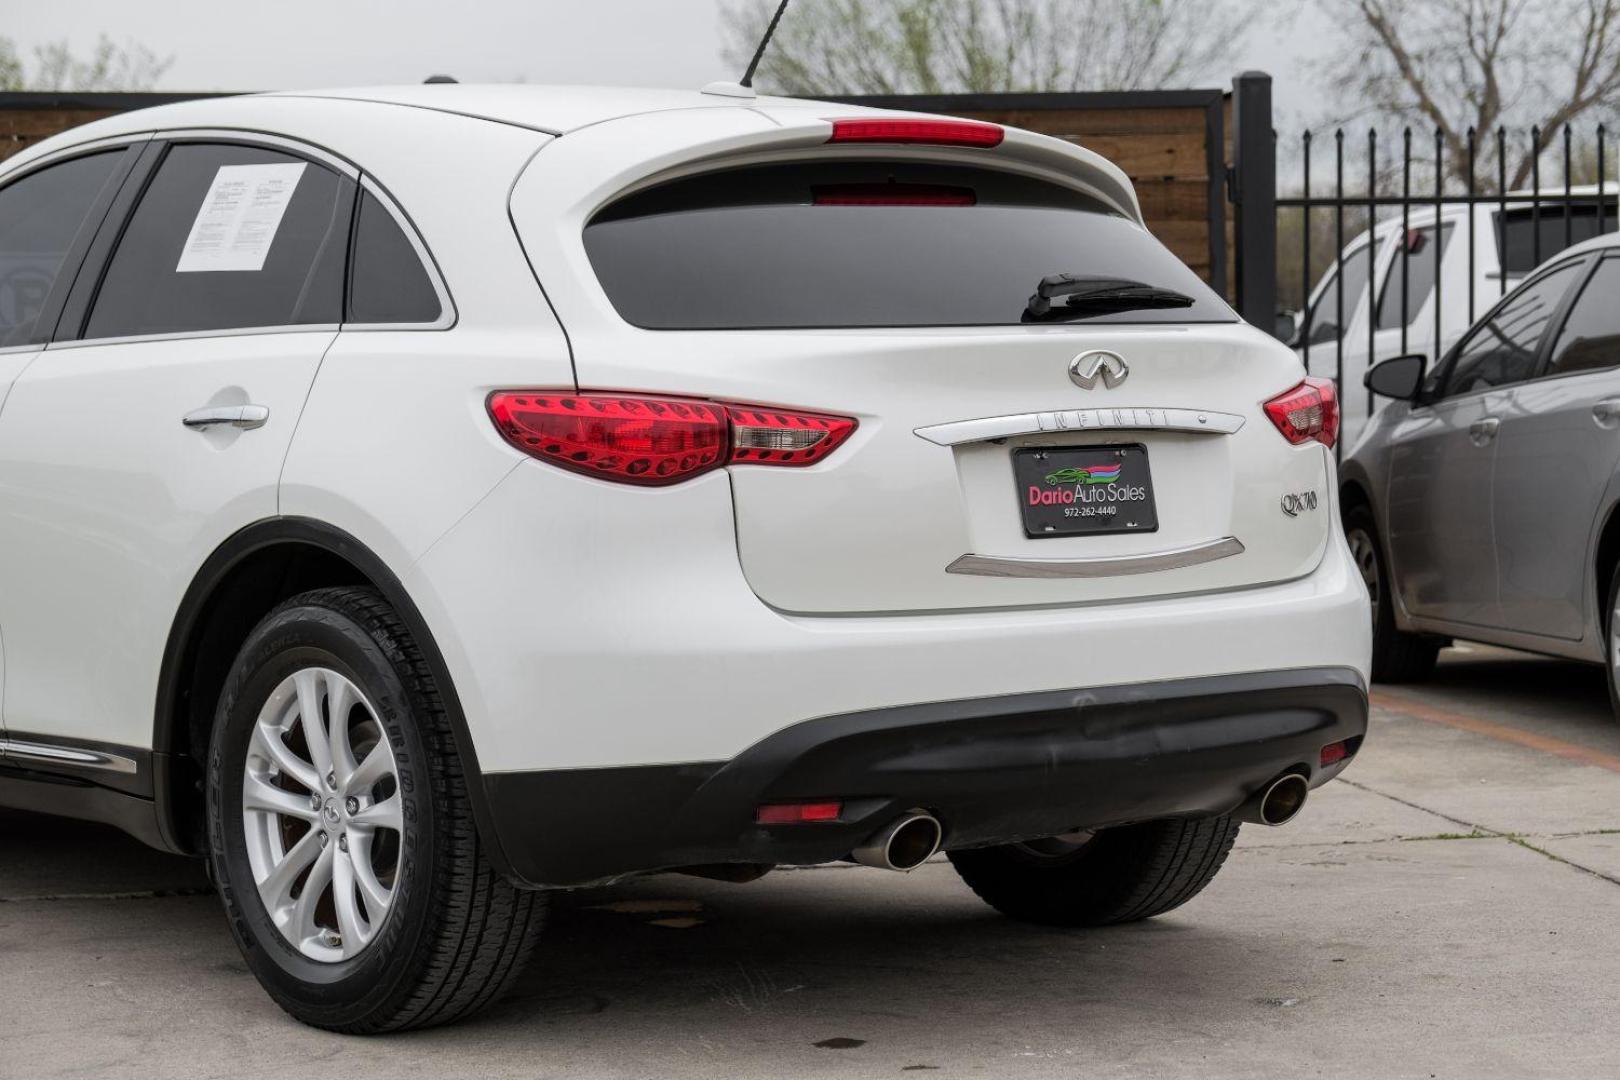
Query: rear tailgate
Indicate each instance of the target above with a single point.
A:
(878, 525)
(984, 472)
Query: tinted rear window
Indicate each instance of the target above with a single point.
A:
(292, 275)
(855, 244)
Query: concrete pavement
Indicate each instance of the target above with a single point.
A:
(1450, 909)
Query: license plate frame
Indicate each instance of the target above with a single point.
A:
(1084, 490)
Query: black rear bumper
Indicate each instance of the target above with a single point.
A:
(993, 770)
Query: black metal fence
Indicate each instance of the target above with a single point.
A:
(1355, 247)
(1528, 226)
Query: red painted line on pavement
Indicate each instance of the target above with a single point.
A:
(1545, 743)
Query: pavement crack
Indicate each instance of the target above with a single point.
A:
(1482, 832)
(1471, 825)
(1522, 842)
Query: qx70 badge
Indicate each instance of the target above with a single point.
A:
(1088, 367)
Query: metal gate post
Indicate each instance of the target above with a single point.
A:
(1254, 196)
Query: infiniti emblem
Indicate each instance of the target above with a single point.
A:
(1085, 369)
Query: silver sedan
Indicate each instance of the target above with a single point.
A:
(1482, 503)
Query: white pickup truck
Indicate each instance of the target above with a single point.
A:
(1503, 250)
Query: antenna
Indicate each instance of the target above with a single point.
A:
(748, 76)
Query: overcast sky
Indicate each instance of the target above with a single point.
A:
(290, 44)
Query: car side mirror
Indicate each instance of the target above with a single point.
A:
(1287, 327)
(1399, 378)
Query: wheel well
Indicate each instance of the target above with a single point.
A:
(1608, 555)
(200, 656)
(1353, 496)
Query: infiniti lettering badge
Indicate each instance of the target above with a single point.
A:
(1086, 368)
(1293, 504)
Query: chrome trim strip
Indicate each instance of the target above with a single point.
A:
(64, 755)
(1110, 566)
(11, 169)
(1195, 421)
(253, 136)
(188, 335)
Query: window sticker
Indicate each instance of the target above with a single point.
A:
(239, 218)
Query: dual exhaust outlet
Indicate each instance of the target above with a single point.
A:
(1278, 803)
(913, 838)
(904, 844)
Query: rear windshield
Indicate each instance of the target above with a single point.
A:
(869, 244)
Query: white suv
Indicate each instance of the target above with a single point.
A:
(417, 499)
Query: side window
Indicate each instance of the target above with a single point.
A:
(40, 215)
(1411, 272)
(228, 237)
(1527, 236)
(1502, 349)
(388, 283)
(1327, 323)
(1590, 338)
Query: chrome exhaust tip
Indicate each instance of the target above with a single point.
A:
(1277, 803)
(904, 844)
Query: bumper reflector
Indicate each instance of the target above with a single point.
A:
(1333, 753)
(797, 813)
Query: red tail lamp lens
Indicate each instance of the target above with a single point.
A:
(797, 813)
(632, 440)
(1333, 753)
(658, 441)
(1308, 411)
(937, 132)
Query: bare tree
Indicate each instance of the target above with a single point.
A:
(109, 66)
(985, 46)
(1483, 64)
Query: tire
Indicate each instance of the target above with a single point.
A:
(1611, 641)
(1398, 656)
(1115, 876)
(429, 932)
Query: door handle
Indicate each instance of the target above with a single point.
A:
(246, 417)
(1606, 412)
(1483, 430)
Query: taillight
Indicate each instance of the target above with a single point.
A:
(937, 132)
(657, 441)
(1308, 411)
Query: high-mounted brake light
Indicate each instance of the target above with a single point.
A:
(936, 132)
(891, 195)
(658, 441)
(1308, 411)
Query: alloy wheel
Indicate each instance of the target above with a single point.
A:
(1614, 646)
(1365, 556)
(321, 813)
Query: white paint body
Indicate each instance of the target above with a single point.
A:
(586, 623)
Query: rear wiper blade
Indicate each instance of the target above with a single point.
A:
(1091, 295)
